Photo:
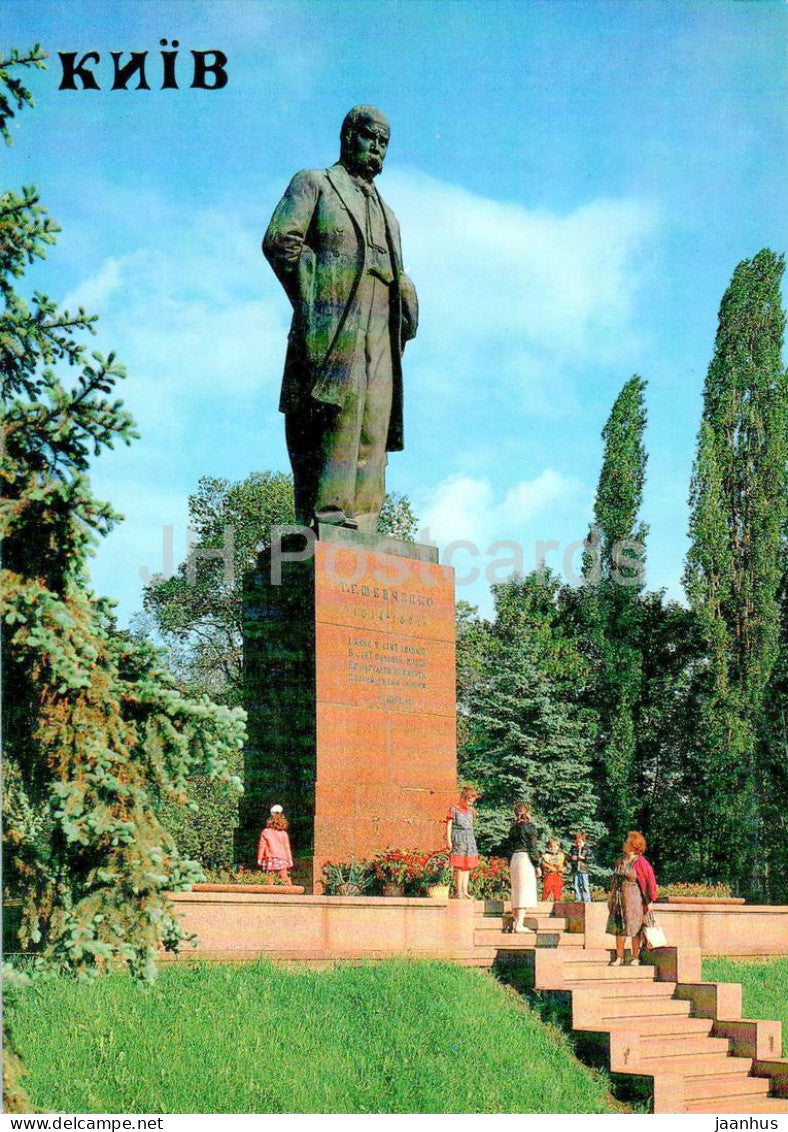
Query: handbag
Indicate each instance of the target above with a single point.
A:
(652, 932)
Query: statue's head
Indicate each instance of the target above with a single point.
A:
(364, 139)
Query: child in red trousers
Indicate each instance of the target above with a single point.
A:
(553, 860)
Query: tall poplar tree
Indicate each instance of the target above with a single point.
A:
(736, 560)
(613, 574)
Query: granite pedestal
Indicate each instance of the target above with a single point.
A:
(349, 658)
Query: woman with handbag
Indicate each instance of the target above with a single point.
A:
(634, 889)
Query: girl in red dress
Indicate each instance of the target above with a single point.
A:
(273, 851)
(460, 840)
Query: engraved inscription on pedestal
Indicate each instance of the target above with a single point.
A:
(386, 702)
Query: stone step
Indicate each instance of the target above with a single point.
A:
(599, 956)
(541, 908)
(504, 942)
(725, 1085)
(667, 1044)
(539, 923)
(698, 1065)
(546, 923)
(486, 938)
(579, 971)
(641, 1007)
(546, 938)
(737, 1104)
(609, 988)
(678, 1026)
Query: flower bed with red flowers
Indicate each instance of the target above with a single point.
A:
(490, 879)
(415, 872)
(401, 867)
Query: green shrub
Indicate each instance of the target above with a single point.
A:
(236, 874)
(668, 891)
(416, 872)
(205, 833)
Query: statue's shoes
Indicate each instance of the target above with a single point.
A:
(332, 518)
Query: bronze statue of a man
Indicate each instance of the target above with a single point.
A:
(335, 247)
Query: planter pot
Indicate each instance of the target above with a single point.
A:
(494, 907)
(438, 891)
(391, 889)
(348, 889)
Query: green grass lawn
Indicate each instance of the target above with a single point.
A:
(764, 987)
(394, 1037)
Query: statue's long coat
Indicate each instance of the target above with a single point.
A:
(315, 244)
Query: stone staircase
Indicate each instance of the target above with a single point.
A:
(657, 1021)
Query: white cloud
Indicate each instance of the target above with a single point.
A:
(518, 300)
(531, 498)
(459, 509)
(190, 317)
(94, 293)
(467, 508)
(487, 533)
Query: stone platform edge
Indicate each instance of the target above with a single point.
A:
(248, 925)
(253, 924)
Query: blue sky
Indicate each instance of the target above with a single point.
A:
(575, 182)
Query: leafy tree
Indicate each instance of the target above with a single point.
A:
(736, 560)
(199, 610)
(94, 725)
(667, 740)
(619, 494)
(527, 738)
(473, 641)
(397, 517)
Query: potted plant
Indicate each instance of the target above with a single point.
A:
(350, 878)
(396, 870)
(437, 875)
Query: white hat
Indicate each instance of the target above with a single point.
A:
(277, 810)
